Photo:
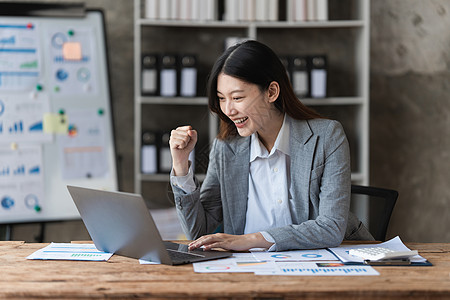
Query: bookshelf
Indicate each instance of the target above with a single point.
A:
(344, 39)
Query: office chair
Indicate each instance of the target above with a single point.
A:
(381, 202)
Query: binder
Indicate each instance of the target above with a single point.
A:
(231, 10)
(188, 76)
(165, 9)
(298, 10)
(151, 9)
(209, 10)
(185, 10)
(322, 10)
(272, 9)
(149, 75)
(300, 76)
(164, 157)
(168, 75)
(311, 10)
(149, 153)
(318, 76)
(285, 60)
(262, 10)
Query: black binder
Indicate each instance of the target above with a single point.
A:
(188, 75)
(164, 156)
(300, 76)
(285, 60)
(150, 75)
(318, 76)
(168, 76)
(149, 152)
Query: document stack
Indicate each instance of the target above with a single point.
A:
(307, 10)
(181, 10)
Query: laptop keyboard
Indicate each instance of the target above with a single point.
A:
(177, 255)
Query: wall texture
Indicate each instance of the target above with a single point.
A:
(410, 113)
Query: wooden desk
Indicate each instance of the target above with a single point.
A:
(123, 277)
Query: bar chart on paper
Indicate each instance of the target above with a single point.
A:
(320, 269)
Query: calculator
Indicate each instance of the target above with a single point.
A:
(381, 253)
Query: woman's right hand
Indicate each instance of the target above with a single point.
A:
(182, 142)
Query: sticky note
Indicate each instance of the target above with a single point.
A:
(72, 51)
(56, 123)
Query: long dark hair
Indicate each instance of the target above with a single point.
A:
(254, 62)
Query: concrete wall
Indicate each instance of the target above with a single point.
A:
(410, 113)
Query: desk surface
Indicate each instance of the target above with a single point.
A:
(123, 277)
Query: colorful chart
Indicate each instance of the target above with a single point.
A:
(311, 255)
(217, 268)
(7, 202)
(281, 256)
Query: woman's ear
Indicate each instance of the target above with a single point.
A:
(273, 91)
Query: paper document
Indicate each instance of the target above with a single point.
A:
(298, 255)
(395, 244)
(67, 251)
(320, 269)
(239, 262)
(319, 262)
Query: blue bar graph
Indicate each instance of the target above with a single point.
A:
(20, 170)
(34, 170)
(16, 127)
(4, 171)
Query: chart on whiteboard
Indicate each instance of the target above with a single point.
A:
(21, 180)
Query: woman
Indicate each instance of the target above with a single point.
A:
(278, 174)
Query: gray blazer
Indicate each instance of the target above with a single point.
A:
(320, 189)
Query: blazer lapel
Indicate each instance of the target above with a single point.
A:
(302, 148)
(237, 169)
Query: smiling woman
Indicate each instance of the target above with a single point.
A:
(279, 173)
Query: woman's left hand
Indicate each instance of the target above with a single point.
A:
(231, 242)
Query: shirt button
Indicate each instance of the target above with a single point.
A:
(275, 170)
(280, 201)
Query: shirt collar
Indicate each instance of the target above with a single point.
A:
(257, 149)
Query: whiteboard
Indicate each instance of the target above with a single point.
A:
(55, 115)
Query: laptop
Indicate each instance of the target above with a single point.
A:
(121, 223)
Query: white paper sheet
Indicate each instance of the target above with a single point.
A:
(83, 149)
(20, 65)
(239, 262)
(298, 255)
(67, 251)
(21, 118)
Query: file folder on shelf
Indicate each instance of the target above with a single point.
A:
(300, 76)
(188, 76)
(149, 75)
(168, 75)
(149, 153)
(318, 76)
(285, 60)
(165, 157)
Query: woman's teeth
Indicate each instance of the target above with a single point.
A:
(239, 121)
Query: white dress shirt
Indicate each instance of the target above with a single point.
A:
(269, 181)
